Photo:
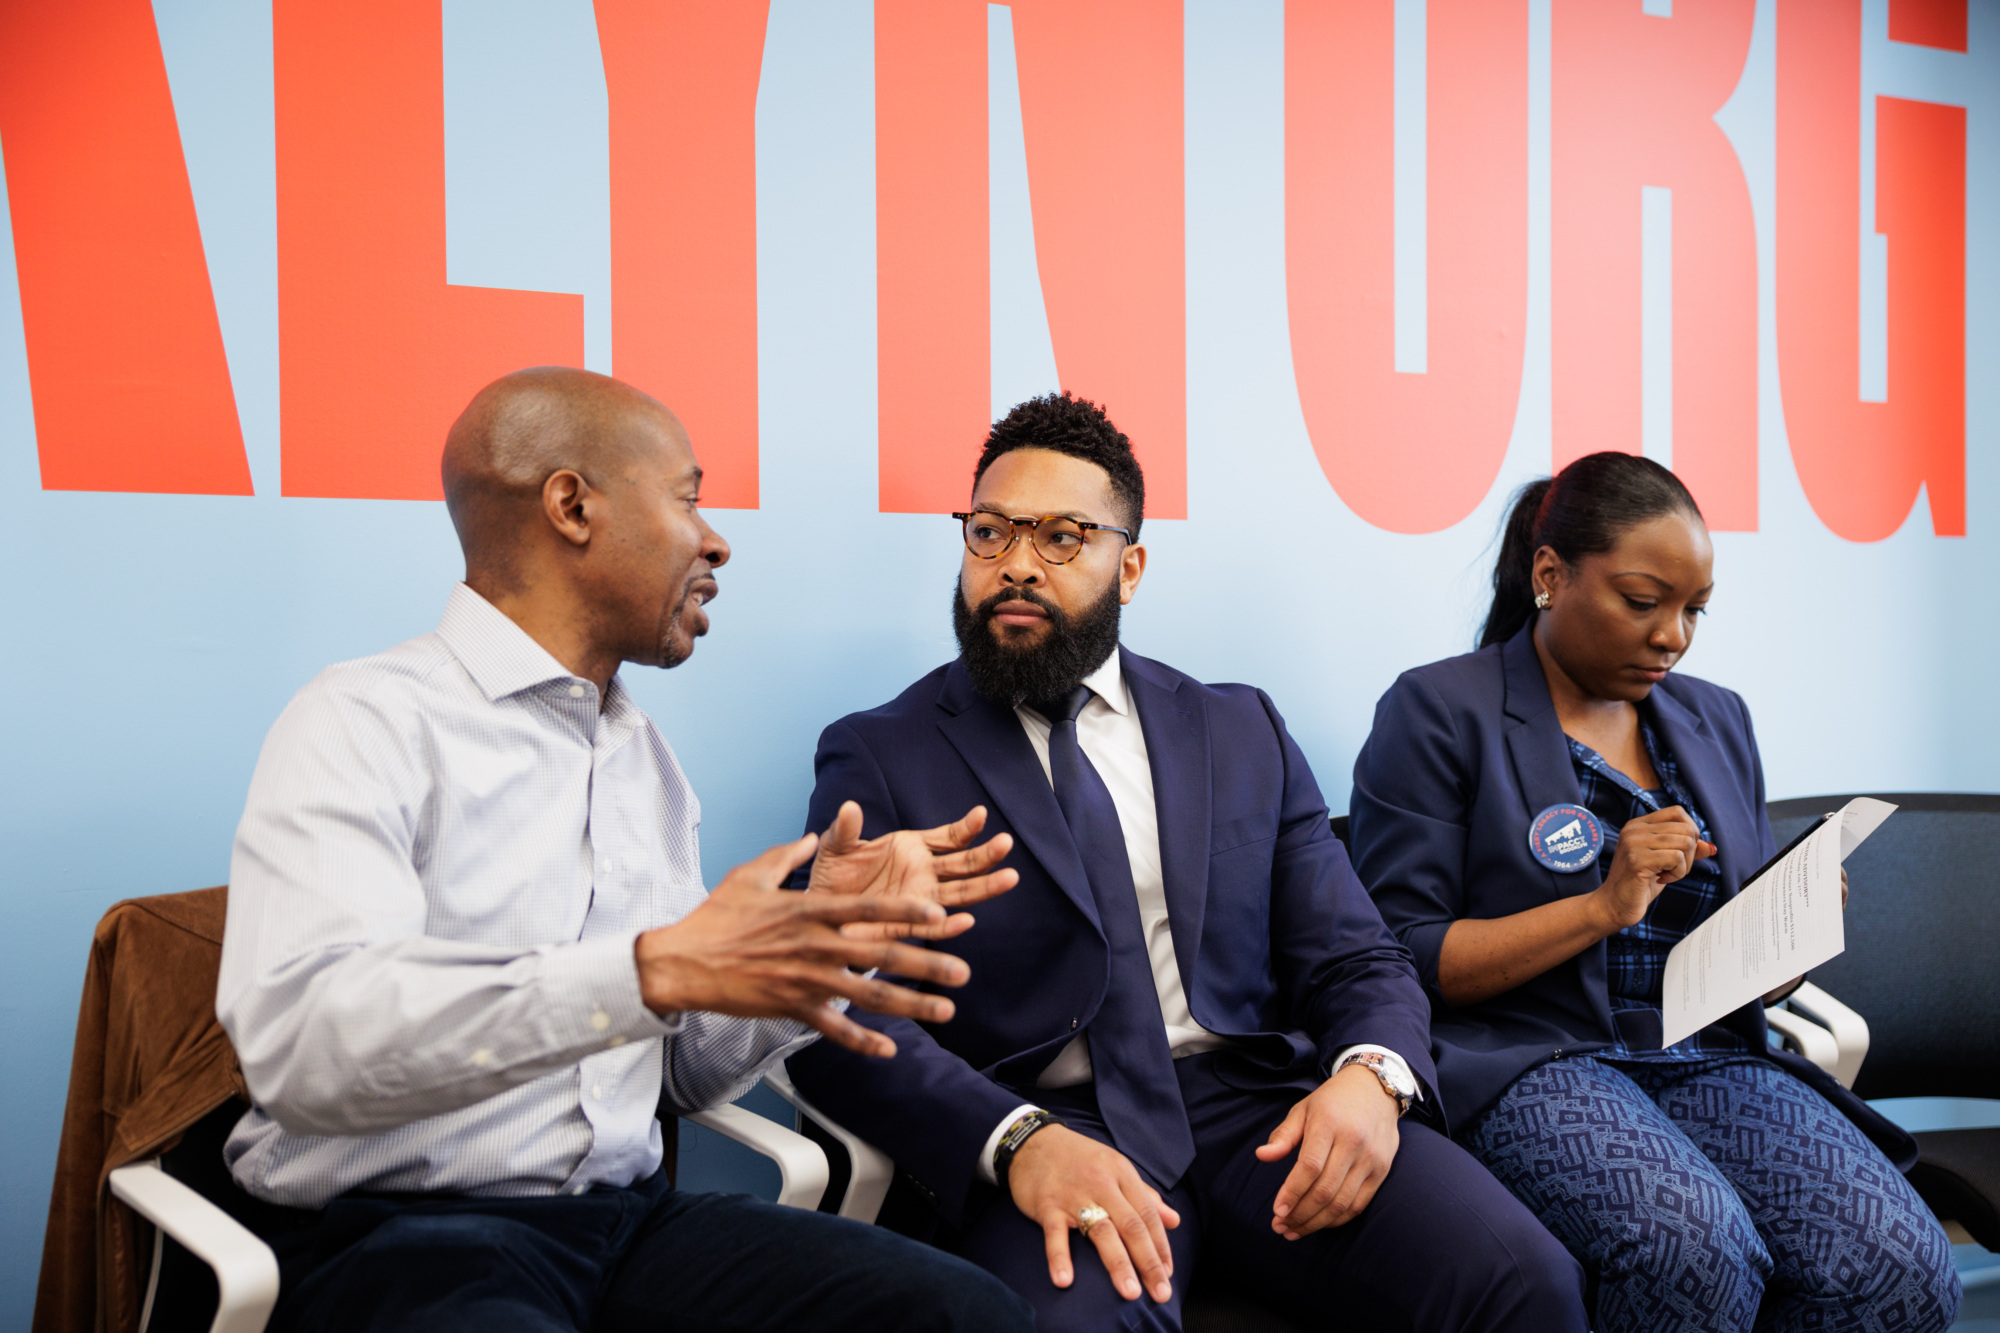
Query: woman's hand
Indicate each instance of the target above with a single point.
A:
(1480, 959)
(1653, 851)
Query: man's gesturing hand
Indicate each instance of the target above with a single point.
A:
(1059, 1172)
(939, 865)
(756, 951)
(1345, 1135)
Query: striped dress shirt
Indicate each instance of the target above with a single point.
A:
(447, 853)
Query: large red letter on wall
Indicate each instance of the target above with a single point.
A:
(1862, 463)
(1633, 104)
(1407, 452)
(1101, 100)
(932, 306)
(1102, 109)
(378, 354)
(682, 77)
(125, 357)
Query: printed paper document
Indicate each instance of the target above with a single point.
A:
(1785, 922)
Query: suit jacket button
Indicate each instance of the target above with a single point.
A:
(1072, 1025)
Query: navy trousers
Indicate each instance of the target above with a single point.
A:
(1442, 1245)
(1718, 1194)
(642, 1258)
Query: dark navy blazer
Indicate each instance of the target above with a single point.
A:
(1278, 943)
(1464, 753)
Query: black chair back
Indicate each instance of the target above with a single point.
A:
(184, 1290)
(1923, 942)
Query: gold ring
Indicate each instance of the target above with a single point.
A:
(1089, 1216)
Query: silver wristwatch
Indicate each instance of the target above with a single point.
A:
(1394, 1076)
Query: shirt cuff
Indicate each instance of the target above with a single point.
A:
(986, 1171)
(593, 989)
(1369, 1048)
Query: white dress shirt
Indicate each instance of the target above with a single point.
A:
(1111, 737)
(446, 856)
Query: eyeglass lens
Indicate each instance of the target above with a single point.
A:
(1059, 540)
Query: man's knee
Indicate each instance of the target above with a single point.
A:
(441, 1272)
(1511, 1273)
(1548, 1277)
(951, 1295)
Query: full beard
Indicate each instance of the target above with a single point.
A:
(1042, 673)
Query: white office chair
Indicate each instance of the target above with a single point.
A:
(246, 1272)
(1823, 1030)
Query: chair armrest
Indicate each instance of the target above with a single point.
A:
(246, 1272)
(1809, 1039)
(1849, 1029)
(870, 1170)
(802, 1169)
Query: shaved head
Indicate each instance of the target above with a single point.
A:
(576, 500)
(523, 428)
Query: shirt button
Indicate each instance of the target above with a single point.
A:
(616, 1041)
(597, 1092)
(581, 1189)
(482, 1057)
(576, 692)
(600, 1021)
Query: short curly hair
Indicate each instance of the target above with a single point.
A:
(1066, 424)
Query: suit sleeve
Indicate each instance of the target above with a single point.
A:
(927, 1107)
(1352, 983)
(1408, 818)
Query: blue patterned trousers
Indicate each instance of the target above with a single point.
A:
(1717, 1194)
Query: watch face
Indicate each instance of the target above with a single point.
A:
(1400, 1083)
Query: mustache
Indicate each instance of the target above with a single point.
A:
(704, 584)
(990, 607)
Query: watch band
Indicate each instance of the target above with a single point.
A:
(1018, 1133)
(1378, 1065)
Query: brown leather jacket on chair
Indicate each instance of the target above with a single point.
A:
(150, 1061)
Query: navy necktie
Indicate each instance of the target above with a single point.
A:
(1130, 1062)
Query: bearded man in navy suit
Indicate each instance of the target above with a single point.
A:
(1188, 1034)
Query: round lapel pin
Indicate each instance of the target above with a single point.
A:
(1566, 838)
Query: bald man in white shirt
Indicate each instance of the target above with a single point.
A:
(469, 949)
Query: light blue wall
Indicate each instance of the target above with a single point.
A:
(152, 639)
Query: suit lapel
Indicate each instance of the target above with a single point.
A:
(1536, 745)
(1176, 731)
(1705, 771)
(990, 740)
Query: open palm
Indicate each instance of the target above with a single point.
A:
(939, 865)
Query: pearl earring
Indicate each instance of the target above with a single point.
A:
(1542, 600)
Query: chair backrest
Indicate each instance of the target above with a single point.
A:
(1923, 942)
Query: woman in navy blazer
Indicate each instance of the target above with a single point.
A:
(1539, 822)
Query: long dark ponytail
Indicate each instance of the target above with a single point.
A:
(1582, 510)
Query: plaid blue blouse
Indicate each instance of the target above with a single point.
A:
(1636, 957)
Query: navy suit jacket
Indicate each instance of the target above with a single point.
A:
(1278, 943)
(1464, 753)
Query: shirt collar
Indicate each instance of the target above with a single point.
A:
(500, 656)
(1108, 684)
